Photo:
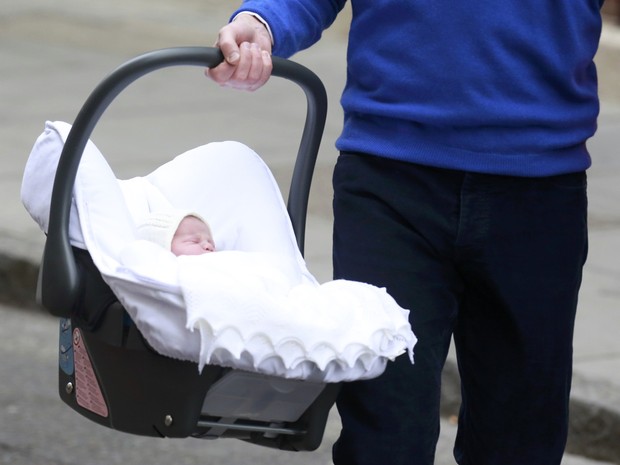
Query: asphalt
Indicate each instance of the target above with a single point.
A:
(51, 57)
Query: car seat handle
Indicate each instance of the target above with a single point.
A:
(59, 281)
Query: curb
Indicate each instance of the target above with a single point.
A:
(594, 426)
(18, 281)
(594, 421)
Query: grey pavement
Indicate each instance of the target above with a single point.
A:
(52, 54)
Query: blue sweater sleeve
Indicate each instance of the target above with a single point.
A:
(296, 24)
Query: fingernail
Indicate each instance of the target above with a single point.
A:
(233, 57)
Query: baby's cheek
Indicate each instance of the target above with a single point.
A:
(181, 249)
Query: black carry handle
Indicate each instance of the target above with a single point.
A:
(59, 281)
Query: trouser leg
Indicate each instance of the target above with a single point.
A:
(522, 244)
(393, 223)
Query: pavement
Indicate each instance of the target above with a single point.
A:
(52, 54)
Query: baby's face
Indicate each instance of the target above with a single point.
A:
(192, 237)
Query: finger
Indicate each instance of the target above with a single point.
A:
(256, 67)
(260, 67)
(221, 73)
(262, 70)
(267, 66)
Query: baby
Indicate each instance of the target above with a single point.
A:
(181, 232)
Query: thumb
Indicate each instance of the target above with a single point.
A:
(230, 50)
(229, 39)
(232, 57)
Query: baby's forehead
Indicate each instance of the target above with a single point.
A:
(193, 222)
(192, 218)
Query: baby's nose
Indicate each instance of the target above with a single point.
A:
(208, 246)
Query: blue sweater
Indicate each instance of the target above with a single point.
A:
(504, 87)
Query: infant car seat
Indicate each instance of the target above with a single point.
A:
(107, 371)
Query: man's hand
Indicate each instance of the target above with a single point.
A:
(246, 46)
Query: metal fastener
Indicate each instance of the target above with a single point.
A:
(168, 420)
(69, 387)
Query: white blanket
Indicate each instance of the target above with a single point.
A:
(254, 304)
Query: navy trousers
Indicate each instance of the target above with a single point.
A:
(496, 262)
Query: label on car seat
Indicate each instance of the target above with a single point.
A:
(87, 390)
